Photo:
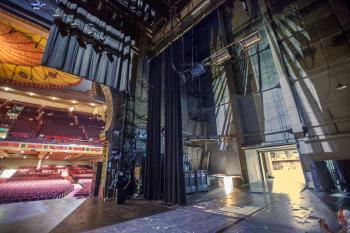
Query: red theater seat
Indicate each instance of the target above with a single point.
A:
(50, 125)
(86, 190)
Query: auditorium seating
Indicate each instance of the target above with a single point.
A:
(29, 184)
(4, 119)
(31, 173)
(86, 190)
(81, 172)
(24, 128)
(41, 124)
(37, 189)
(88, 119)
(93, 133)
(83, 175)
(61, 131)
(26, 124)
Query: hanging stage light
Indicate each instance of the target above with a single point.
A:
(220, 57)
(223, 143)
(197, 70)
(250, 40)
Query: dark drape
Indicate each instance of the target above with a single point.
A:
(164, 178)
(154, 178)
(174, 185)
(82, 44)
(192, 48)
(342, 169)
(321, 177)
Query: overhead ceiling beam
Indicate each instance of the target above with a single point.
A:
(189, 16)
(132, 19)
(160, 7)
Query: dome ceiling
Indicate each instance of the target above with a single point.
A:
(36, 76)
(20, 59)
(18, 49)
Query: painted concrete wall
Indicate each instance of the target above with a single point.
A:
(317, 60)
(308, 46)
(224, 162)
(253, 165)
(195, 156)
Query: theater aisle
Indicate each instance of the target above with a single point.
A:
(36, 216)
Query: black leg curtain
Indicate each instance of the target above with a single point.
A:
(153, 183)
(174, 190)
(165, 182)
(83, 44)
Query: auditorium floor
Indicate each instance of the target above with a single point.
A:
(252, 209)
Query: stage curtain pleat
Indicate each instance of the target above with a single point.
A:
(174, 190)
(154, 178)
(80, 43)
(164, 178)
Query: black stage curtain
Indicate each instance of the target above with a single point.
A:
(193, 47)
(84, 45)
(174, 190)
(154, 179)
(165, 179)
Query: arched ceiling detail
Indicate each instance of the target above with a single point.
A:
(20, 59)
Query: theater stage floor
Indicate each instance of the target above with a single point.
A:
(252, 209)
(35, 216)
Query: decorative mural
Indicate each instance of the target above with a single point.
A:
(20, 59)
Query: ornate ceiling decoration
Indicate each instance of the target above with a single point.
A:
(17, 48)
(36, 76)
(20, 59)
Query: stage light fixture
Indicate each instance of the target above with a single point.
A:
(197, 71)
(220, 57)
(250, 40)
